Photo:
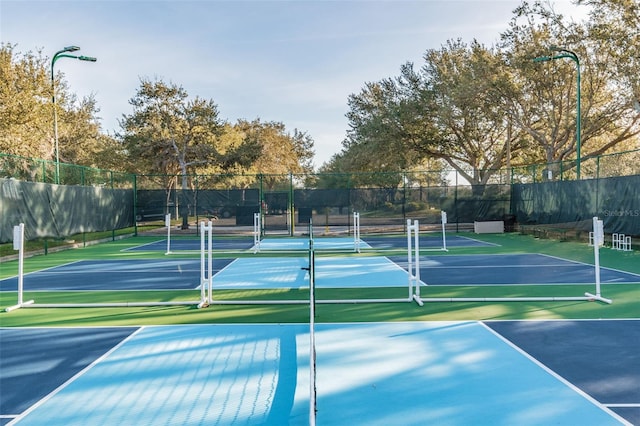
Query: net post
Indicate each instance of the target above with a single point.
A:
(206, 264)
(202, 267)
(210, 261)
(356, 232)
(416, 256)
(167, 223)
(18, 244)
(413, 260)
(256, 232)
(598, 240)
(443, 215)
(410, 257)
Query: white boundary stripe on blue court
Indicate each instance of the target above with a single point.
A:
(413, 373)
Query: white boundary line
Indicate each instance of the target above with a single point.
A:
(75, 376)
(556, 375)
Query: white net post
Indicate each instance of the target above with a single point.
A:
(202, 265)
(256, 232)
(410, 256)
(18, 244)
(444, 230)
(416, 237)
(206, 264)
(598, 240)
(413, 260)
(167, 223)
(210, 261)
(356, 232)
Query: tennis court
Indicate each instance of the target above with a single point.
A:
(238, 273)
(376, 363)
(332, 272)
(455, 373)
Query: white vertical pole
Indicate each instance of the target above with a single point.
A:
(597, 240)
(256, 232)
(202, 264)
(409, 257)
(417, 255)
(444, 232)
(18, 244)
(356, 231)
(210, 260)
(167, 223)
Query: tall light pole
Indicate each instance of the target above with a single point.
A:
(565, 53)
(61, 54)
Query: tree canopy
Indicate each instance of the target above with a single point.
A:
(467, 106)
(480, 109)
(26, 112)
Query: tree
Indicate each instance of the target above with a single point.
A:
(614, 24)
(281, 152)
(544, 104)
(469, 82)
(26, 124)
(168, 133)
(449, 110)
(26, 114)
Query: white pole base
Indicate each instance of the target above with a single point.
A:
(599, 298)
(18, 306)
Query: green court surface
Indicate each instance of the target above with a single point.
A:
(626, 297)
(379, 357)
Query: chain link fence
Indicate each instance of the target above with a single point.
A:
(384, 200)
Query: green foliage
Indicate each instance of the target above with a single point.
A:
(168, 133)
(450, 110)
(26, 117)
(614, 25)
(480, 109)
(544, 104)
(26, 114)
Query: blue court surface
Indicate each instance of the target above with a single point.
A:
(427, 242)
(193, 244)
(322, 243)
(286, 244)
(331, 272)
(512, 269)
(402, 373)
(165, 274)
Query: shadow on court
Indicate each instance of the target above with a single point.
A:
(412, 373)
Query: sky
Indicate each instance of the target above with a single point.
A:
(294, 62)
